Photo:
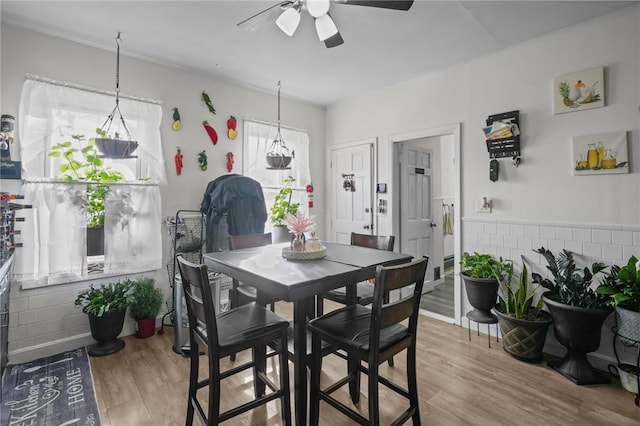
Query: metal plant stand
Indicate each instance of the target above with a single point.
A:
(187, 232)
(482, 319)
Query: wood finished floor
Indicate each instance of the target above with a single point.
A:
(460, 383)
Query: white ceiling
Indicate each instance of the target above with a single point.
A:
(382, 47)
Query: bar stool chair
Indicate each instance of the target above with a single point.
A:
(244, 293)
(373, 336)
(245, 327)
(364, 290)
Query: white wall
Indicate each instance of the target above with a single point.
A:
(542, 190)
(521, 78)
(36, 313)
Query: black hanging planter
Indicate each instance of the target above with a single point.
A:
(578, 329)
(116, 148)
(105, 330)
(482, 294)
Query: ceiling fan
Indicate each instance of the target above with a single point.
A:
(287, 16)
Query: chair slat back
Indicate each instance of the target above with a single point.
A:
(379, 242)
(199, 301)
(237, 242)
(394, 278)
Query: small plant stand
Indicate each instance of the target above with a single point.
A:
(481, 318)
(628, 342)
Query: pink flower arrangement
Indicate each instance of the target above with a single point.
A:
(299, 223)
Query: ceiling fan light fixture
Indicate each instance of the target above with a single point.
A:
(325, 27)
(318, 8)
(288, 21)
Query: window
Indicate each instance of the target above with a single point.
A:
(257, 141)
(54, 236)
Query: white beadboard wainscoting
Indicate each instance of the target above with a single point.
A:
(513, 238)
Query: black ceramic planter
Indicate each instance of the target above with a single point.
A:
(578, 329)
(482, 294)
(524, 339)
(105, 330)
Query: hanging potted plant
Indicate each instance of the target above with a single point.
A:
(114, 147)
(281, 207)
(81, 162)
(146, 301)
(578, 314)
(278, 157)
(482, 274)
(106, 307)
(522, 321)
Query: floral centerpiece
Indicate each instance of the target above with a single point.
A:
(298, 224)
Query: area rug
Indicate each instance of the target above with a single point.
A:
(55, 390)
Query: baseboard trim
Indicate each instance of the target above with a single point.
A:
(50, 348)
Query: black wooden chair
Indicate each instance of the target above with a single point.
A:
(243, 293)
(364, 290)
(249, 326)
(373, 336)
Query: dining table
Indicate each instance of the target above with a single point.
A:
(299, 281)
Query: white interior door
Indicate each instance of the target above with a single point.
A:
(416, 224)
(351, 208)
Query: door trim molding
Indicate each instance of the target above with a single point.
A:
(452, 129)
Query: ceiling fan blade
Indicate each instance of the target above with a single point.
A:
(385, 4)
(269, 14)
(334, 40)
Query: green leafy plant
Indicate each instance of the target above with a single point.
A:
(282, 204)
(146, 299)
(98, 301)
(80, 162)
(570, 285)
(479, 265)
(517, 299)
(622, 286)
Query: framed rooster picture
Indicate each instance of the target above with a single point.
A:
(579, 91)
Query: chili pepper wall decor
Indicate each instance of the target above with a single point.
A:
(230, 161)
(176, 120)
(207, 101)
(202, 159)
(211, 132)
(178, 160)
(232, 133)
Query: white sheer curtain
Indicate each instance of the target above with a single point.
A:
(55, 251)
(54, 236)
(257, 140)
(51, 111)
(133, 239)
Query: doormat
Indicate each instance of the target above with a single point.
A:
(55, 390)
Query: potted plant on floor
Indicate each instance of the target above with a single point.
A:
(482, 274)
(281, 207)
(522, 321)
(578, 314)
(622, 287)
(146, 301)
(80, 162)
(106, 307)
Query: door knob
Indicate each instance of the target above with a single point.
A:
(432, 225)
(366, 210)
(366, 227)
